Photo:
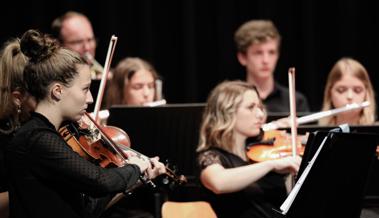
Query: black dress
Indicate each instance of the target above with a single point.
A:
(48, 179)
(257, 200)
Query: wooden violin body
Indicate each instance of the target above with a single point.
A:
(92, 146)
(105, 146)
(275, 144)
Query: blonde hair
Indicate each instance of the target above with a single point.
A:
(219, 115)
(124, 71)
(11, 70)
(350, 66)
(255, 32)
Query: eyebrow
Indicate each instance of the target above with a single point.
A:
(252, 104)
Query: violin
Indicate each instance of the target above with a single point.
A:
(277, 144)
(274, 145)
(91, 144)
(106, 146)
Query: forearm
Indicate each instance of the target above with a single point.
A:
(52, 155)
(220, 180)
(116, 179)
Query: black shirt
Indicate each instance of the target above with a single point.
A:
(48, 179)
(256, 200)
(6, 134)
(278, 100)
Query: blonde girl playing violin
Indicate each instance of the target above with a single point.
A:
(237, 187)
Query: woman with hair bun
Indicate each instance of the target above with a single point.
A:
(46, 177)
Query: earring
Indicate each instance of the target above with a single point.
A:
(16, 121)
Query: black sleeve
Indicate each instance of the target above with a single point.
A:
(55, 160)
(208, 158)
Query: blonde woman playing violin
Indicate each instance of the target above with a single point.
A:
(236, 186)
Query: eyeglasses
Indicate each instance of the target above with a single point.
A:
(81, 42)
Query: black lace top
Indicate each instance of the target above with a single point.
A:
(257, 200)
(48, 179)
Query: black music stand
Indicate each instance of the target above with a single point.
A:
(336, 183)
(170, 131)
(372, 190)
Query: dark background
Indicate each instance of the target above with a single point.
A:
(190, 42)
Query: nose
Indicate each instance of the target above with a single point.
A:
(89, 98)
(146, 91)
(86, 46)
(260, 113)
(350, 94)
(265, 57)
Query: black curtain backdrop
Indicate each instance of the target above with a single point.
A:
(190, 42)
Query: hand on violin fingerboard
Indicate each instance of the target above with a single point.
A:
(157, 168)
(142, 163)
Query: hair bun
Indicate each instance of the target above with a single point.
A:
(37, 46)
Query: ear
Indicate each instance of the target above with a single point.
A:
(17, 97)
(242, 58)
(56, 91)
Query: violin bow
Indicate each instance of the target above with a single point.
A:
(104, 76)
(293, 118)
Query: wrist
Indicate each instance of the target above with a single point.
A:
(271, 165)
(138, 168)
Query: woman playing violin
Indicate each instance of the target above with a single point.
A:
(47, 178)
(348, 82)
(236, 186)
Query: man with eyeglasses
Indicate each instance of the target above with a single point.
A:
(74, 31)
